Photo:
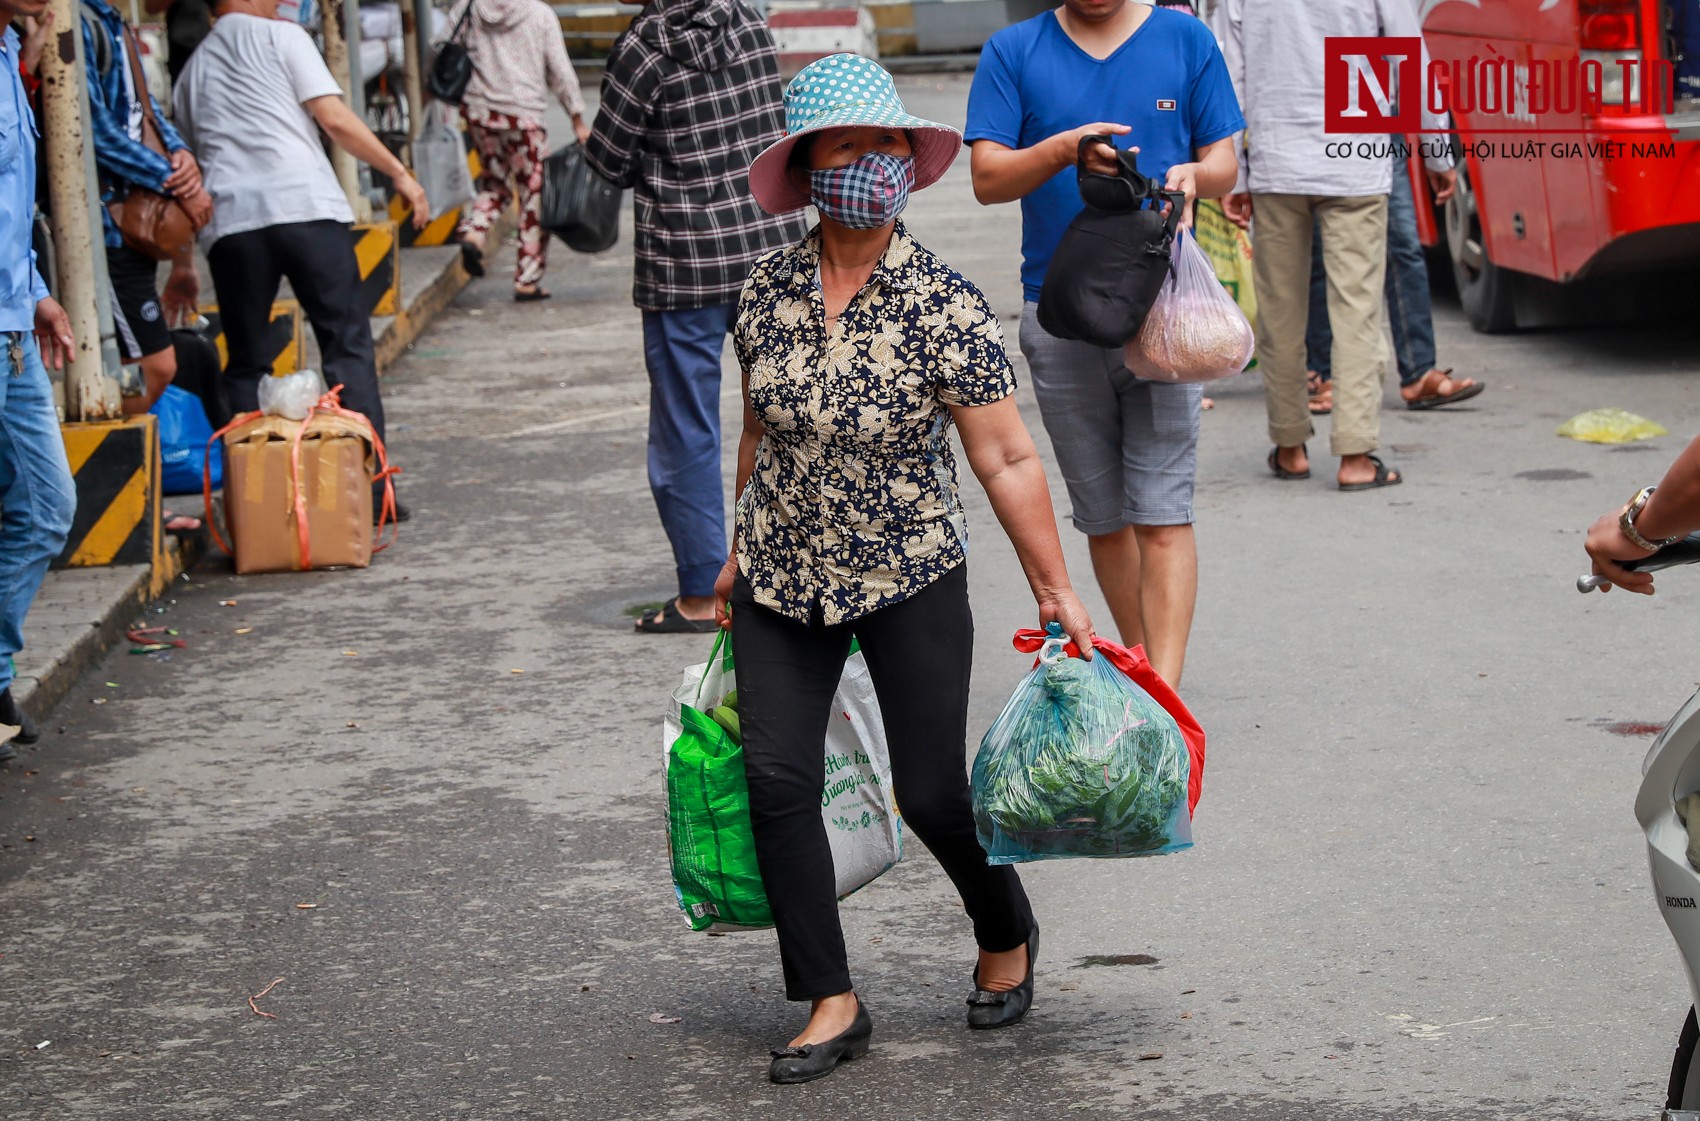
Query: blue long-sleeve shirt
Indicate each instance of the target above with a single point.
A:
(20, 284)
(123, 158)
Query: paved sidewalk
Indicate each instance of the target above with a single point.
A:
(81, 612)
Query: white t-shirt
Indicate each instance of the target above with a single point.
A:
(239, 105)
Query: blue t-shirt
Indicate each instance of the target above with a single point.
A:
(1168, 82)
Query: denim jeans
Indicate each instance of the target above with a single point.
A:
(37, 496)
(1409, 314)
(682, 351)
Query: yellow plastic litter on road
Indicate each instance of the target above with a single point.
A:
(1611, 426)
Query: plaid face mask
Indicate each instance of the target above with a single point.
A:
(866, 194)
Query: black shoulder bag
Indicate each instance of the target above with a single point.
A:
(1111, 261)
(451, 70)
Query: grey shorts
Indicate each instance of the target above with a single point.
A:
(1128, 448)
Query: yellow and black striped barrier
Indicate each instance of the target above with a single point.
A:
(439, 230)
(285, 341)
(377, 249)
(116, 468)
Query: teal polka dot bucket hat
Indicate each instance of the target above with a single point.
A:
(845, 91)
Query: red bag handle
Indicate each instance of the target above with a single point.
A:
(1138, 669)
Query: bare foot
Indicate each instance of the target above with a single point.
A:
(1362, 469)
(830, 1017)
(696, 607)
(1293, 459)
(999, 973)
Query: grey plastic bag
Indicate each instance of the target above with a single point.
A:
(439, 163)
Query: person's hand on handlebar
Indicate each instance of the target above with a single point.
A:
(1670, 511)
(1608, 546)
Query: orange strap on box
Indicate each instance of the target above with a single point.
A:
(330, 403)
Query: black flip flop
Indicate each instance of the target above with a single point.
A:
(669, 621)
(471, 259)
(532, 297)
(1280, 472)
(1384, 477)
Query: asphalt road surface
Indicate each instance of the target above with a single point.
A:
(425, 798)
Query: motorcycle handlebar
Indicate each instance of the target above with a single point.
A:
(1686, 551)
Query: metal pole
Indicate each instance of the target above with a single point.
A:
(414, 43)
(77, 243)
(336, 59)
(351, 33)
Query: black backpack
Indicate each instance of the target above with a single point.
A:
(1111, 261)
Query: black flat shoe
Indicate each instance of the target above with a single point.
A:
(817, 1060)
(12, 713)
(999, 1010)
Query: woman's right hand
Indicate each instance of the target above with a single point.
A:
(1065, 607)
(723, 592)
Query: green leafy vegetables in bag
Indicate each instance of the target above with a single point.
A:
(1081, 762)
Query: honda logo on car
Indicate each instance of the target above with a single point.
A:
(1364, 76)
(1682, 901)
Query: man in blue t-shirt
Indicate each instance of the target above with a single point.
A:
(1128, 449)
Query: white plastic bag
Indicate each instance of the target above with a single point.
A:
(290, 396)
(862, 822)
(1195, 331)
(439, 163)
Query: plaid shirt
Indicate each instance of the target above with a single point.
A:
(691, 95)
(121, 157)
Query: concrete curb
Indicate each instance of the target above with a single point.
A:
(82, 613)
(87, 612)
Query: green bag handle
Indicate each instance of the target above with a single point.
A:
(723, 650)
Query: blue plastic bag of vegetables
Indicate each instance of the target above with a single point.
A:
(1083, 761)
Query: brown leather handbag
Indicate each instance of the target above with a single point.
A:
(152, 223)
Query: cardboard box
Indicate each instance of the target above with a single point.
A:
(334, 477)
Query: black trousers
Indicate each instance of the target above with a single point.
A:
(919, 653)
(318, 258)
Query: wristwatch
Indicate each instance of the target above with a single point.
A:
(1626, 523)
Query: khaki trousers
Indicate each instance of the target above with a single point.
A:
(1354, 251)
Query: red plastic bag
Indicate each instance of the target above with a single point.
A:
(1138, 668)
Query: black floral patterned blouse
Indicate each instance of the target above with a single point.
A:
(853, 504)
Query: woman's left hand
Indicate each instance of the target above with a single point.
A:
(1065, 607)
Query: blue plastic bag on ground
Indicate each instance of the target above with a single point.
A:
(1083, 762)
(184, 431)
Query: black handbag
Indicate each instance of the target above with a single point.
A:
(579, 206)
(1111, 261)
(451, 70)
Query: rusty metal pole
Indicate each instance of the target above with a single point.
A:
(413, 14)
(336, 59)
(78, 246)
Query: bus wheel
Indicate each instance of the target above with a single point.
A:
(1484, 289)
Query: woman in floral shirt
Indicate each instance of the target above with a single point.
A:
(859, 350)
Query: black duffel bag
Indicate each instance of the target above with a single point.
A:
(451, 70)
(1111, 261)
(579, 206)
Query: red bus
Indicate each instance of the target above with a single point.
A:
(1562, 188)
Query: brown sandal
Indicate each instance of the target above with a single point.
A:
(1431, 393)
(1321, 393)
